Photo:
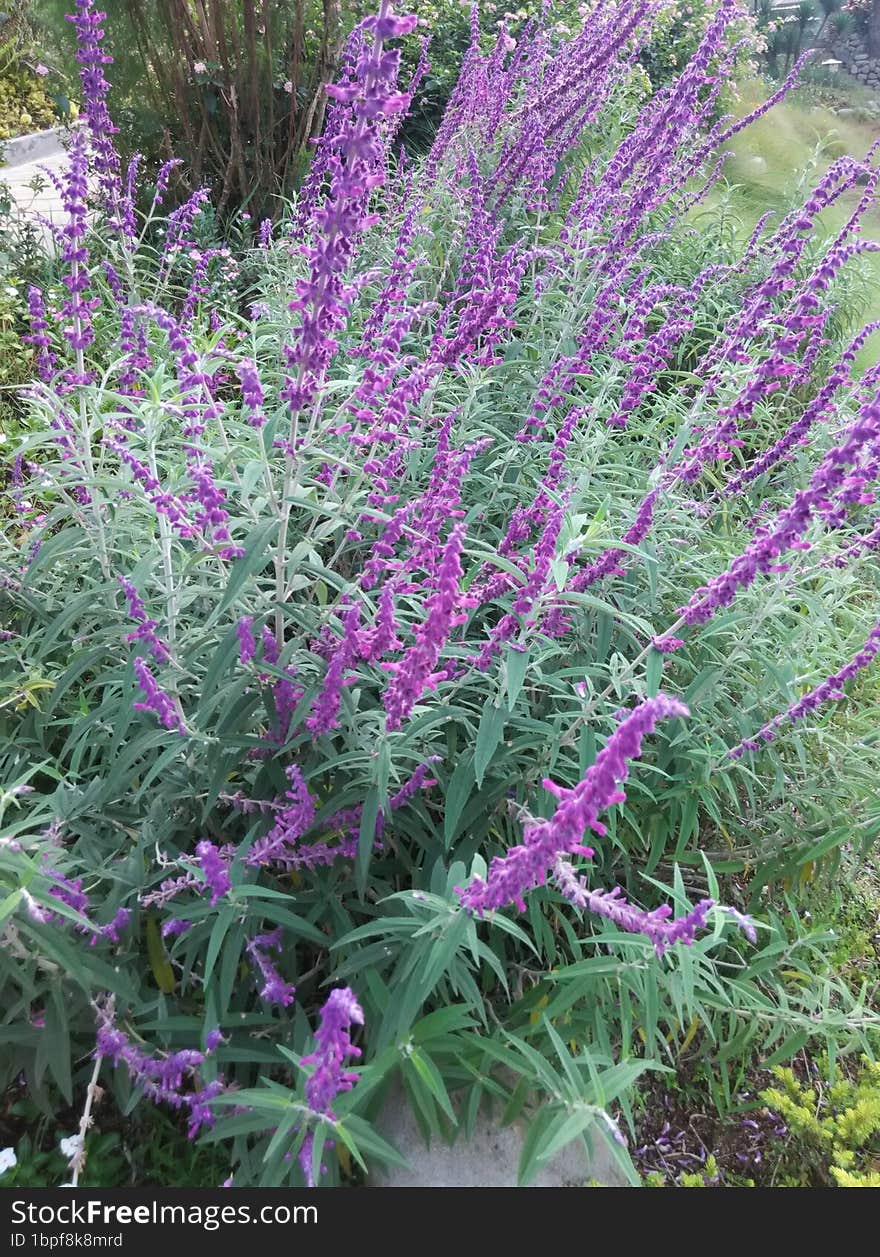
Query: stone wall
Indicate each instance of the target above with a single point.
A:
(852, 52)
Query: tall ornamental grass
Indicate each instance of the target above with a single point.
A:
(408, 624)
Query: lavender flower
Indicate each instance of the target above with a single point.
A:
(790, 525)
(252, 395)
(215, 870)
(291, 822)
(146, 630)
(334, 1045)
(415, 671)
(247, 647)
(77, 309)
(89, 36)
(356, 168)
(111, 931)
(612, 905)
(274, 990)
(526, 866)
(830, 690)
(325, 852)
(47, 362)
(323, 716)
(156, 700)
(162, 1079)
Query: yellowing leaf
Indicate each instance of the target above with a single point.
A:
(535, 1014)
(159, 962)
(690, 1036)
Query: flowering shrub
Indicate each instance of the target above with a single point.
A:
(333, 622)
(25, 105)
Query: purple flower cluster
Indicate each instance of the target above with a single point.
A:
(47, 361)
(252, 395)
(325, 710)
(156, 700)
(292, 820)
(77, 309)
(146, 628)
(89, 36)
(215, 869)
(612, 905)
(609, 561)
(346, 823)
(172, 507)
(247, 647)
(526, 866)
(330, 1077)
(274, 989)
(69, 891)
(416, 670)
(355, 168)
(830, 690)
(787, 530)
(333, 1042)
(170, 1080)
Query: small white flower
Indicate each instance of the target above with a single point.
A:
(199, 67)
(71, 1146)
(8, 1159)
(288, 86)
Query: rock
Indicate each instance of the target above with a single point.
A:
(489, 1159)
(26, 157)
(22, 150)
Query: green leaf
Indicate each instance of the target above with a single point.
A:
(366, 838)
(457, 795)
(255, 546)
(225, 917)
(433, 1080)
(516, 668)
(488, 736)
(653, 672)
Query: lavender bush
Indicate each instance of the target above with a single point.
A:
(333, 624)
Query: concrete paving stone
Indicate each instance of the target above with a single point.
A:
(489, 1159)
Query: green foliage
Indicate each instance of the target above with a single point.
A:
(25, 105)
(836, 1115)
(23, 262)
(144, 1149)
(676, 35)
(545, 1013)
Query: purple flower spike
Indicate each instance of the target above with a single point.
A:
(171, 1080)
(215, 870)
(291, 822)
(334, 1045)
(274, 989)
(92, 59)
(612, 905)
(415, 672)
(247, 647)
(156, 700)
(830, 690)
(526, 866)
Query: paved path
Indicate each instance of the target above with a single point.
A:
(22, 161)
